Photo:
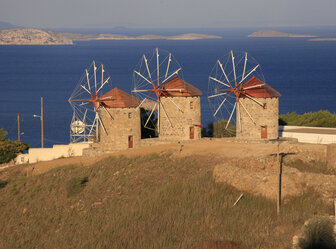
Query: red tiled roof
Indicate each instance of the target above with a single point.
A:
(117, 98)
(177, 87)
(262, 90)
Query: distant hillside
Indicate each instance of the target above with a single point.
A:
(273, 33)
(7, 25)
(30, 36)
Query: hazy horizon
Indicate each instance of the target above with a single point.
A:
(171, 14)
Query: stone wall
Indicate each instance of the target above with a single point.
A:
(263, 117)
(181, 120)
(125, 122)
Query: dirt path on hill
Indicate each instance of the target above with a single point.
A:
(221, 148)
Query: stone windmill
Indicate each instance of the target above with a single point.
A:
(175, 103)
(239, 95)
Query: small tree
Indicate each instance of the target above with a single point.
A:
(8, 148)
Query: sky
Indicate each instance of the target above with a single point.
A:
(167, 13)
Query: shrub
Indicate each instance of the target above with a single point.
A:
(220, 131)
(314, 119)
(317, 232)
(8, 148)
(76, 185)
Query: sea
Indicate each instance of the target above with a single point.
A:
(304, 72)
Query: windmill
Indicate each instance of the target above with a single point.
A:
(238, 94)
(86, 102)
(150, 77)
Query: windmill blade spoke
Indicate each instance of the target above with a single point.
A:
(244, 66)
(140, 90)
(106, 81)
(221, 66)
(150, 115)
(247, 112)
(255, 68)
(149, 74)
(262, 105)
(171, 75)
(108, 113)
(87, 79)
(86, 89)
(95, 75)
(143, 77)
(101, 123)
(234, 67)
(176, 105)
(216, 95)
(169, 60)
(144, 99)
(157, 66)
(228, 122)
(251, 87)
(212, 78)
(221, 104)
(93, 124)
(102, 75)
(166, 114)
(85, 115)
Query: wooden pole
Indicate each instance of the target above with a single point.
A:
(42, 135)
(18, 121)
(279, 189)
(335, 209)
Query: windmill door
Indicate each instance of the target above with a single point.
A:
(191, 132)
(130, 142)
(264, 131)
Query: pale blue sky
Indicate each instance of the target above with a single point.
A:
(167, 13)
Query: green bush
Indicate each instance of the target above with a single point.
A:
(217, 129)
(318, 232)
(9, 149)
(314, 119)
(220, 131)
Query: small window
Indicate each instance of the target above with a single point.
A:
(129, 115)
(191, 105)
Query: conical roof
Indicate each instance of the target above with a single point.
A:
(117, 98)
(259, 89)
(177, 87)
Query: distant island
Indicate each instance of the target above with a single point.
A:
(32, 36)
(322, 39)
(273, 33)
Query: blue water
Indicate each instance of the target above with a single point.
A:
(303, 72)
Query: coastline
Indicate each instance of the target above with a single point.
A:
(45, 37)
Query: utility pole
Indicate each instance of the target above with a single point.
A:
(280, 174)
(18, 121)
(41, 118)
(42, 136)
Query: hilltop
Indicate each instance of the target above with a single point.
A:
(136, 199)
(273, 33)
(30, 36)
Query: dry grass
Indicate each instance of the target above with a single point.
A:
(153, 201)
